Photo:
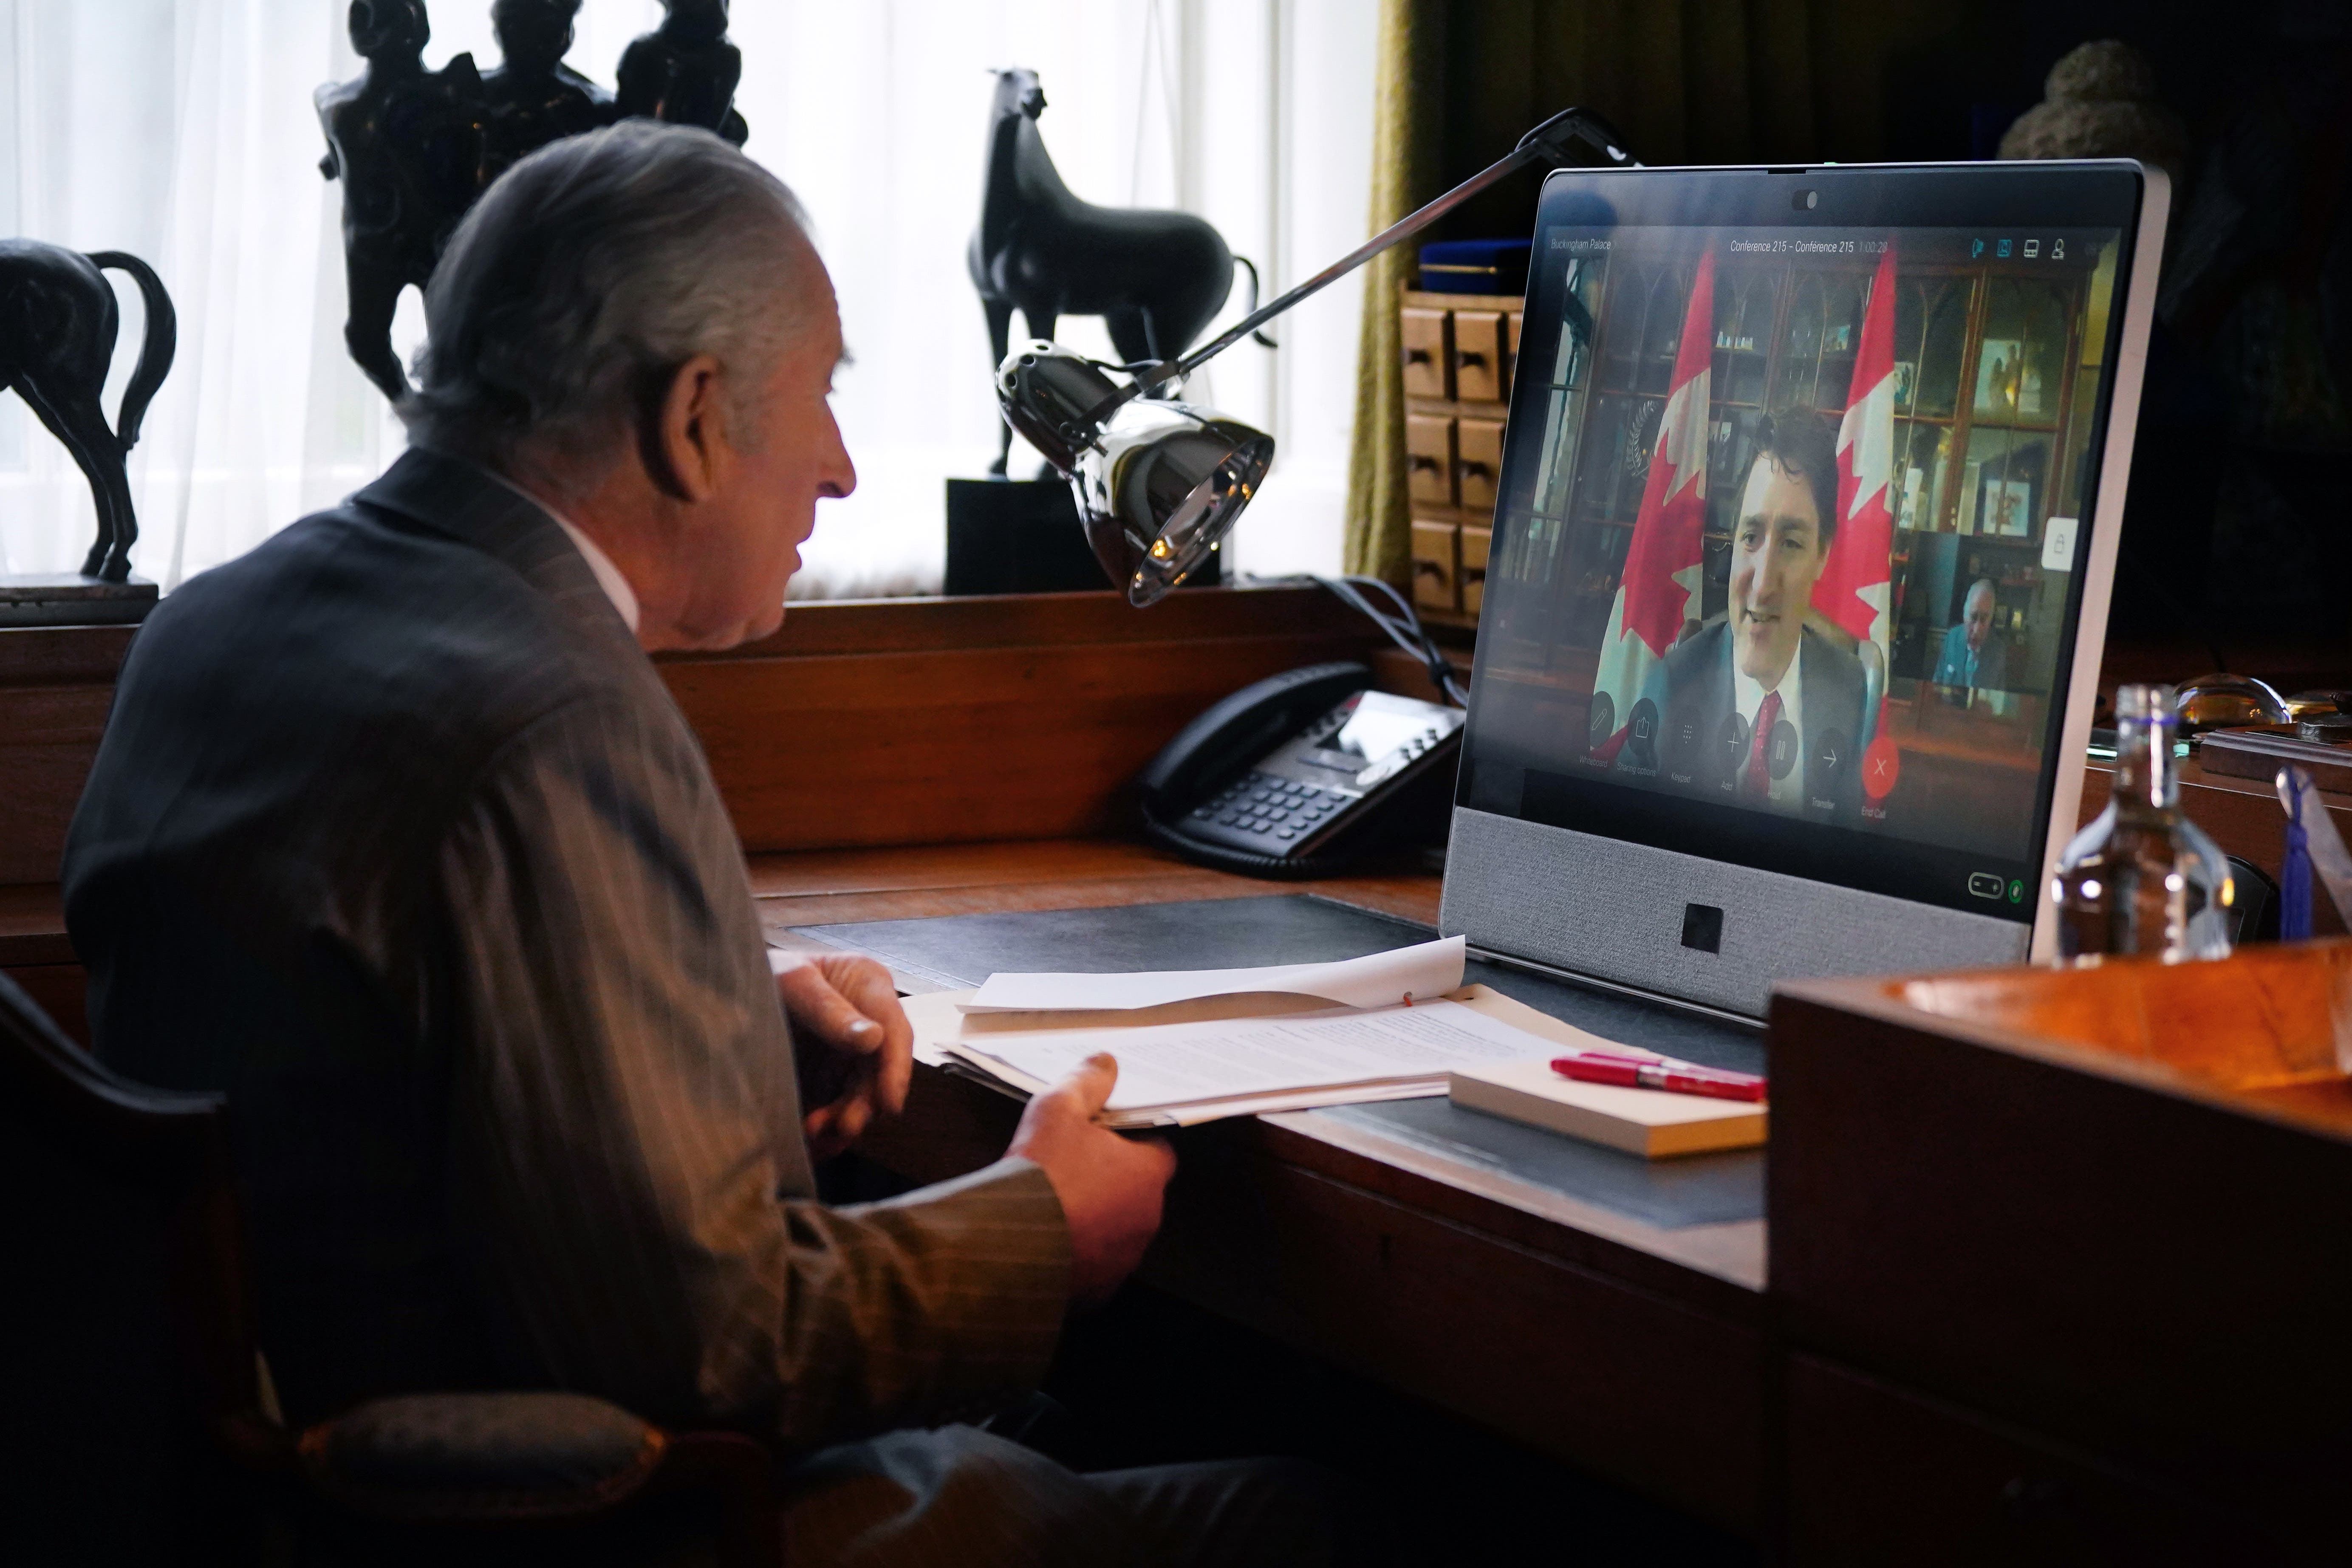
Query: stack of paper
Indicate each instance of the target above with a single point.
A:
(1175, 1074)
(1404, 975)
(1197, 1045)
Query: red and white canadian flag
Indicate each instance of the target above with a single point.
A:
(1853, 591)
(1659, 589)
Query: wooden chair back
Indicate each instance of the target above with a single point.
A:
(117, 1215)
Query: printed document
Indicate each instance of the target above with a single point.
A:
(1175, 1074)
(1419, 972)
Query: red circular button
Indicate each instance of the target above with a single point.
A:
(1882, 765)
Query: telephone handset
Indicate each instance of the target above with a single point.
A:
(1282, 777)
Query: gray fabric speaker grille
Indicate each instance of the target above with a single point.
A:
(1613, 910)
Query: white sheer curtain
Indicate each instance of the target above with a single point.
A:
(181, 130)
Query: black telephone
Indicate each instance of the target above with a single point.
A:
(1288, 777)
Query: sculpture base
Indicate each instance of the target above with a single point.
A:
(70, 599)
(1022, 536)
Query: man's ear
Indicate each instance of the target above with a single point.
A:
(682, 436)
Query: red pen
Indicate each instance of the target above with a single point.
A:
(1675, 1077)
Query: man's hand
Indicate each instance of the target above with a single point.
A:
(854, 1047)
(1111, 1186)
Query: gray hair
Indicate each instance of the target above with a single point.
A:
(585, 276)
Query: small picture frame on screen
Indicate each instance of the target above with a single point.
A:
(2008, 509)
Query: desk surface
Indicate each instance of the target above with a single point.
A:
(914, 909)
(1710, 1208)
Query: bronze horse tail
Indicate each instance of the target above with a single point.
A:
(59, 319)
(155, 354)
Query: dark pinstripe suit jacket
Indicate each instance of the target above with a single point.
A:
(396, 836)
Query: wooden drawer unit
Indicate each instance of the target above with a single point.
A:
(1478, 349)
(1511, 349)
(1478, 462)
(1568, 1360)
(1455, 412)
(1876, 1475)
(1428, 459)
(1475, 541)
(1436, 565)
(1428, 338)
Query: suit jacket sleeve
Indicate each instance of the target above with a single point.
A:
(626, 1120)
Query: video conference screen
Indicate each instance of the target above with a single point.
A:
(1789, 574)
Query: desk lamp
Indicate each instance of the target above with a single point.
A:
(1159, 483)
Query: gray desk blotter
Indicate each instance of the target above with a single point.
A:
(961, 950)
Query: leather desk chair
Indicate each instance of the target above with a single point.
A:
(134, 1425)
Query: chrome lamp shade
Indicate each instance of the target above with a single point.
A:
(1158, 483)
(1161, 482)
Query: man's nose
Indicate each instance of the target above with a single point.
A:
(840, 475)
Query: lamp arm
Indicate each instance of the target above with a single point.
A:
(1551, 141)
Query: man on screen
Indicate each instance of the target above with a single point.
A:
(1973, 656)
(1761, 707)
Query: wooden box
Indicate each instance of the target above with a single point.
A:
(1436, 565)
(1428, 342)
(1428, 459)
(1478, 447)
(2103, 1215)
(1478, 339)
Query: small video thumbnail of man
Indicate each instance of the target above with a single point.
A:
(1801, 532)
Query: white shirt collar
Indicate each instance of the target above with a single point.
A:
(608, 576)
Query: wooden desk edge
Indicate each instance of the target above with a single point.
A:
(1733, 1252)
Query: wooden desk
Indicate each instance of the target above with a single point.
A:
(1631, 1350)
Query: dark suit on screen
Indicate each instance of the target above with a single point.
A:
(1693, 694)
(1991, 665)
(397, 835)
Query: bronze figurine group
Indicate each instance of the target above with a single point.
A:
(416, 148)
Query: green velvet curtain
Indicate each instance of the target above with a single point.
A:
(1688, 81)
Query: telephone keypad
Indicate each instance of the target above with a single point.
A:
(1301, 794)
(1262, 805)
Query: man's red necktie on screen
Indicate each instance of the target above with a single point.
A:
(1759, 779)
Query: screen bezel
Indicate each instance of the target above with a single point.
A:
(2117, 195)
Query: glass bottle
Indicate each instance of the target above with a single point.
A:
(2143, 877)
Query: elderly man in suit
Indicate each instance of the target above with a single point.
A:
(396, 836)
(1973, 656)
(1761, 708)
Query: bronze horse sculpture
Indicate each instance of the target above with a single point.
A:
(1156, 278)
(57, 326)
